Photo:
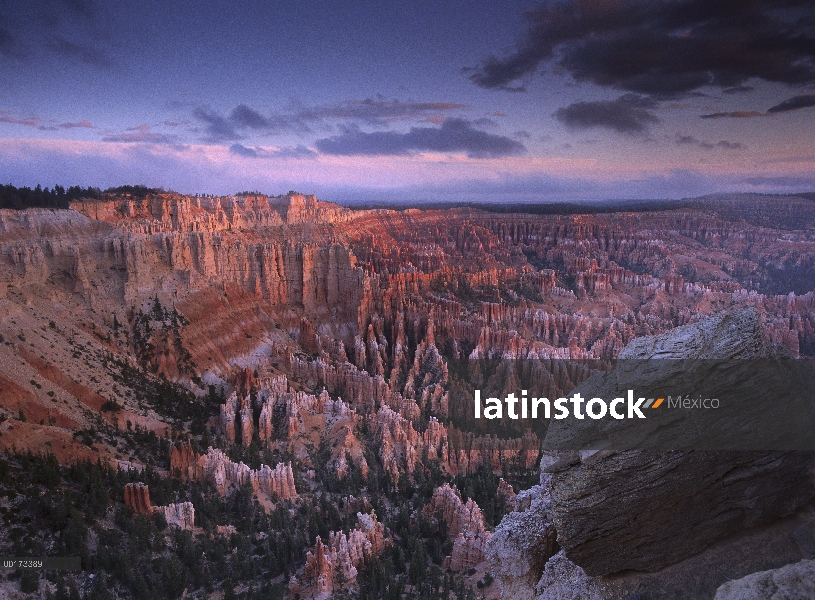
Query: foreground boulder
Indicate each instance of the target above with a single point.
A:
(642, 510)
(787, 583)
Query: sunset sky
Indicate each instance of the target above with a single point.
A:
(411, 101)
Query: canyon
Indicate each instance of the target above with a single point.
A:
(316, 360)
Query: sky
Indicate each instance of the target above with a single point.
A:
(382, 101)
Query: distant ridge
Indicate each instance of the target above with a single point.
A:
(571, 208)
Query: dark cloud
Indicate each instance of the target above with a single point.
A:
(627, 114)
(294, 152)
(243, 116)
(242, 150)
(300, 119)
(738, 89)
(218, 127)
(664, 48)
(85, 124)
(379, 111)
(736, 114)
(141, 134)
(39, 123)
(794, 103)
(454, 135)
(689, 140)
(258, 152)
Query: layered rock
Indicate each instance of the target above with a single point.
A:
(369, 304)
(427, 377)
(676, 503)
(761, 486)
(466, 452)
(400, 445)
(237, 420)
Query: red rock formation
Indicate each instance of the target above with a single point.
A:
(467, 452)
(244, 381)
(469, 549)
(465, 526)
(427, 376)
(346, 445)
(228, 416)
(247, 427)
(340, 558)
(236, 416)
(400, 445)
(218, 468)
(265, 426)
(319, 571)
(459, 516)
(276, 483)
(137, 498)
(367, 302)
(184, 459)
